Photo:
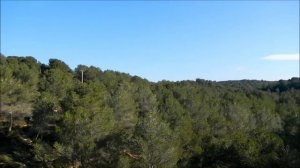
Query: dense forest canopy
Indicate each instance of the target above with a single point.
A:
(51, 118)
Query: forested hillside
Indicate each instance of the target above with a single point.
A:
(51, 118)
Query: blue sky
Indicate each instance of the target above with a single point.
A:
(172, 40)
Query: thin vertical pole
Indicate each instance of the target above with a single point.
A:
(81, 76)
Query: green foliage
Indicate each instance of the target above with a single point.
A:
(124, 107)
(19, 78)
(7, 161)
(90, 73)
(115, 120)
(159, 148)
(56, 82)
(86, 120)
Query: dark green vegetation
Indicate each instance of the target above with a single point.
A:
(113, 119)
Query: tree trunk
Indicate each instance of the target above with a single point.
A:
(11, 122)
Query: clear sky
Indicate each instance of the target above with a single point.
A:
(172, 40)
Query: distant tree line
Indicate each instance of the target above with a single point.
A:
(114, 119)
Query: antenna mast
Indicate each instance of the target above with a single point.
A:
(81, 76)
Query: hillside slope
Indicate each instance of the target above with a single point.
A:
(50, 118)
